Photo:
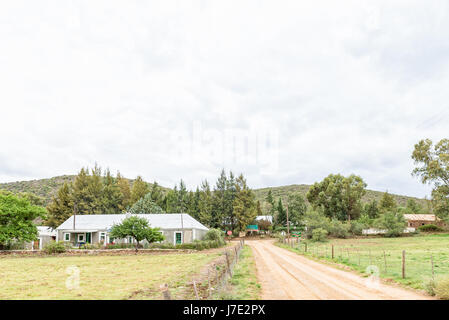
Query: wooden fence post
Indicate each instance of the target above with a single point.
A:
(433, 271)
(385, 261)
(228, 263)
(208, 282)
(403, 264)
(305, 247)
(332, 252)
(165, 292)
(196, 290)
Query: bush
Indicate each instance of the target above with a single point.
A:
(55, 247)
(442, 289)
(215, 235)
(315, 219)
(393, 222)
(339, 229)
(357, 228)
(429, 228)
(429, 286)
(319, 234)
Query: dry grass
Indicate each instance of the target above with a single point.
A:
(101, 277)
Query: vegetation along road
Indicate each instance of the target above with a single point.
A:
(286, 275)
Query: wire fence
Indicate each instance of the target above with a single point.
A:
(411, 265)
(210, 283)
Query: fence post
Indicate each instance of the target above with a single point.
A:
(305, 247)
(433, 271)
(403, 264)
(196, 291)
(208, 282)
(165, 292)
(358, 251)
(228, 263)
(385, 260)
(332, 252)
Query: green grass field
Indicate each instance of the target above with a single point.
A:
(366, 255)
(101, 277)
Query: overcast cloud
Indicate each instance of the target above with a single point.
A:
(284, 91)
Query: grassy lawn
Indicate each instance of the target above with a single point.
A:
(243, 285)
(101, 277)
(364, 252)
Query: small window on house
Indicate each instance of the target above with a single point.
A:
(130, 240)
(103, 236)
(66, 236)
(80, 237)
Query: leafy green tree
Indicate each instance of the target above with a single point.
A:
(315, 219)
(16, 219)
(183, 197)
(219, 202)
(270, 200)
(145, 205)
(95, 191)
(297, 207)
(138, 190)
(258, 208)
(80, 193)
(171, 201)
(281, 216)
(371, 209)
(125, 192)
(194, 204)
(205, 204)
(244, 204)
(61, 207)
(230, 196)
(111, 195)
(393, 222)
(339, 196)
(137, 228)
(156, 194)
(413, 207)
(432, 163)
(387, 203)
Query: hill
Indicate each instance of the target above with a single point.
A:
(284, 191)
(44, 188)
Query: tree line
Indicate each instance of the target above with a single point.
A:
(230, 204)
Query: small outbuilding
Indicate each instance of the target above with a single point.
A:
(417, 220)
(176, 227)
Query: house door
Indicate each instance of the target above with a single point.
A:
(36, 244)
(178, 237)
(89, 237)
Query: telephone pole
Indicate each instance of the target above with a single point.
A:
(75, 208)
(288, 227)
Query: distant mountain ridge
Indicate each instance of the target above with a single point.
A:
(46, 188)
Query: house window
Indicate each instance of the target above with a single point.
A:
(81, 237)
(130, 240)
(102, 236)
(66, 236)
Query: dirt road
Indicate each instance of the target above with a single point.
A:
(285, 275)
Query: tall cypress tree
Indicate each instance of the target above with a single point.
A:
(205, 204)
(125, 192)
(112, 196)
(61, 207)
(81, 195)
(139, 190)
(245, 210)
(219, 202)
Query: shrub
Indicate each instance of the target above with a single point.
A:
(339, 229)
(357, 228)
(215, 235)
(429, 286)
(319, 234)
(55, 247)
(442, 288)
(393, 222)
(429, 228)
(315, 219)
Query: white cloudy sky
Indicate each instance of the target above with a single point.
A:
(163, 88)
